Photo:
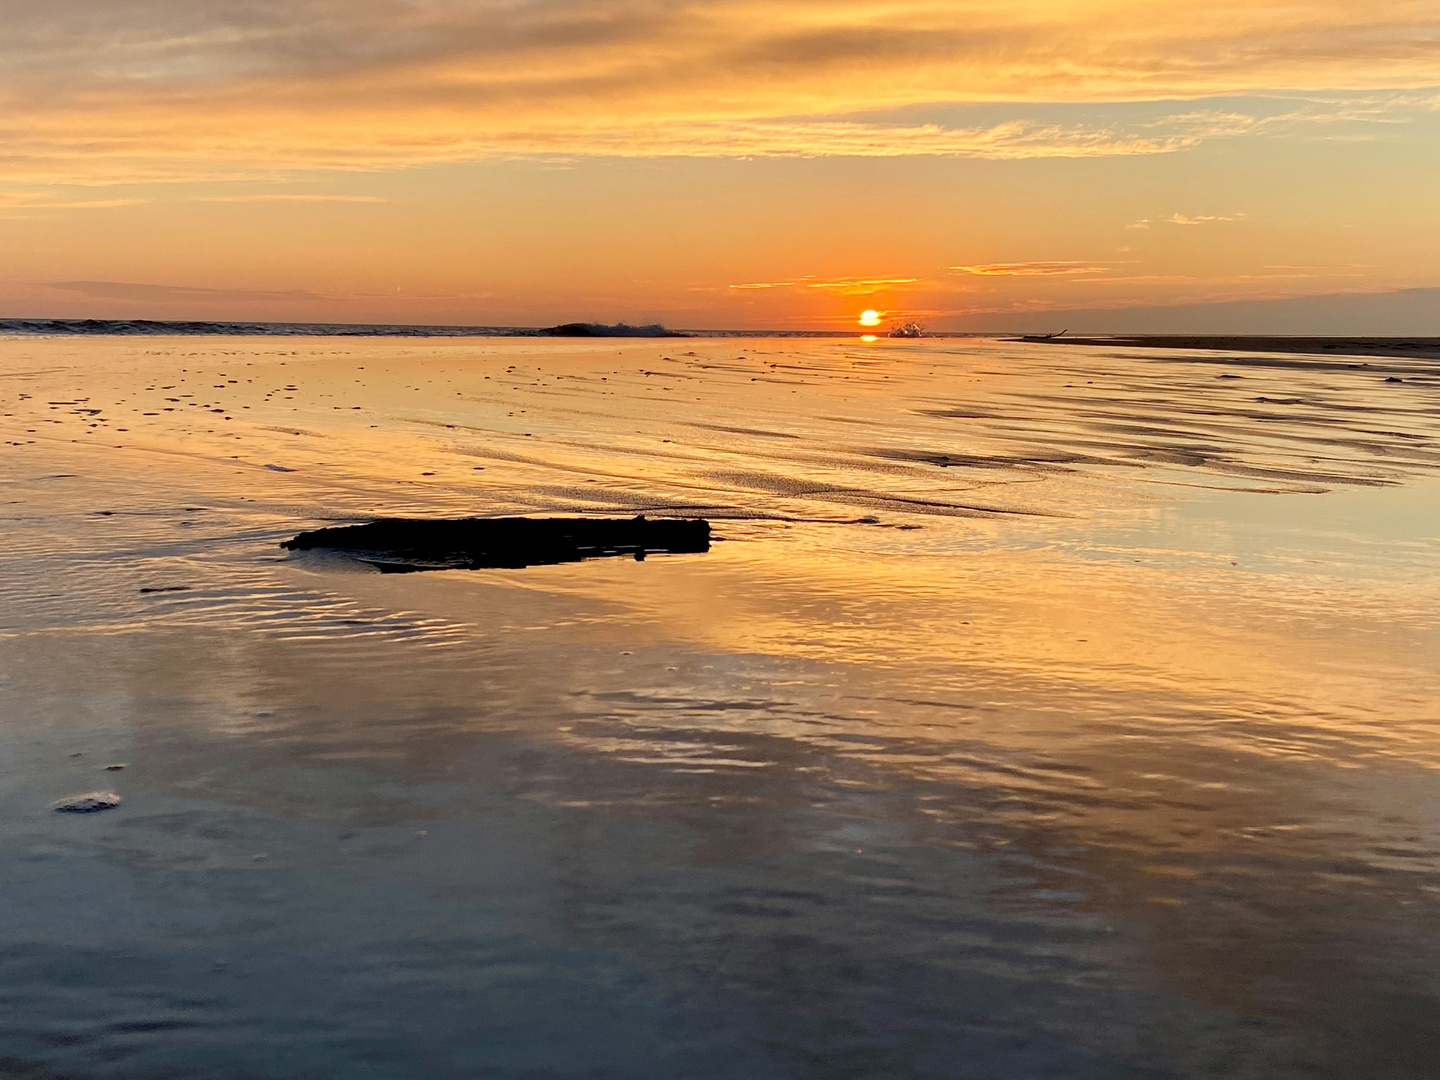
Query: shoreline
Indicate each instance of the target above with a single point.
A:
(1422, 348)
(85, 328)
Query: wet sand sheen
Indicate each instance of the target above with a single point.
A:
(1035, 712)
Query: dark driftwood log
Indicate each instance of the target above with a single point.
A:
(400, 545)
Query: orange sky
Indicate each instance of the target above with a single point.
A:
(761, 163)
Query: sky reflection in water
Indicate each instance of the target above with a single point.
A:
(1037, 712)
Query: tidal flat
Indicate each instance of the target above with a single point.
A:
(1034, 712)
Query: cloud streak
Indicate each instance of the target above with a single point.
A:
(850, 286)
(276, 198)
(1185, 219)
(26, 203)
(83, 156)
(143, 293)
(1031, 269)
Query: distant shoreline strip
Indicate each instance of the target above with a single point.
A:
(1425, 348)
(171, 328)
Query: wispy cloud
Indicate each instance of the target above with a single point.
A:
(126, 290)
(290, 199)
(93, 89)
(1010, 140)
(850, 286)
(1185, 219)
(1202, 219)
(47, 148)
(1031, 269)
(147, 293)
(25, 204)
(861, 286)
(85, 156)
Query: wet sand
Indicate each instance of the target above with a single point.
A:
(1034, 712)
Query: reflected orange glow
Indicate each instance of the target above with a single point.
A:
(966, 601)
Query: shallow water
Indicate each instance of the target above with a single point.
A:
(1037, 712)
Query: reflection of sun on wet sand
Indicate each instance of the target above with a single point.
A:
(1085, 692)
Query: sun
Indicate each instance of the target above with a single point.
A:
(870, 318)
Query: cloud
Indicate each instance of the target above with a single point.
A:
(817, 138)
(1031, 269)
(125, 290)
(861, 286)
(1202, 219)
(23, 203)
(97, 91)
(290, 198)
(1185, 219)
(87, 157)
(852, 286)
(139, 292)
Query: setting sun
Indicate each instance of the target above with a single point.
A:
(870, 318)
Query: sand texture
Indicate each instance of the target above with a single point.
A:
(1034, 712)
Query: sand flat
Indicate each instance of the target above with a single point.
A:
(1078, 705)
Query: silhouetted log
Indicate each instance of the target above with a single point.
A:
(402, 545)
